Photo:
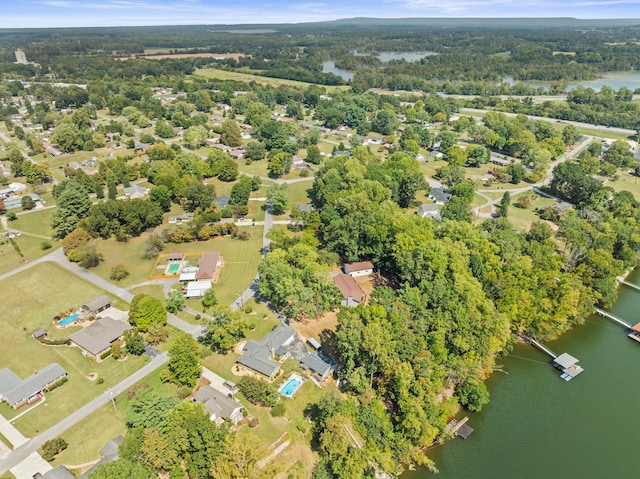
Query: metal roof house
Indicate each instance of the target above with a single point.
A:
(361, 268)
(258, 355)
(18, 392)
(350, 290)
(218, 405)
(96, 305)
(99, 337)
(197, 289)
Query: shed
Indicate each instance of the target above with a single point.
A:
(174, 257)
(314, 343)
(197, 289)
(98, 304)
(361, 268)
(39, 333)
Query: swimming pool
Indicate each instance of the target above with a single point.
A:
(68, 319)
(173, 268)
(291, 386)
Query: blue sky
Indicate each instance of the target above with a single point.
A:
(76, 13)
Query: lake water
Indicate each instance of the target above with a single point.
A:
(539, 426)
(329, 66)
(631, 80)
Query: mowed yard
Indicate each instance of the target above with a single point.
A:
(29, 301)
(241, 260)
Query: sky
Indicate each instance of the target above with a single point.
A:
(87, 13)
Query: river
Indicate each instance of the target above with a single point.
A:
(539, 426)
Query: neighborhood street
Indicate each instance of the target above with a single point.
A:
(22, 452)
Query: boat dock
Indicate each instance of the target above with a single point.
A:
(621, 280)
(564, 362)
(459, 428)
(634, 331)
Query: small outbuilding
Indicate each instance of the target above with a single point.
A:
(361, 268)
(175, 257)
(314, 343)
(197, 289)
(97, 305)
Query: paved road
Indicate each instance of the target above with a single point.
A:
(545, 181)
(604, 129)
(21, 453)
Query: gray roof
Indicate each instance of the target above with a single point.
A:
(132, 190)
(258, 354)
(8, 381)
(111, 448)
(318, 363)
(439, 195)
(314, 343)
(427, 208)
(216, 402)
(305, 207)
(35, 383)
(222, 201)
(99, 336)
(97, 303)
(59, 472)
(565, 360)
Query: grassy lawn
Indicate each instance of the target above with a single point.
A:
(298, 192)
(35, 221)
(29, 247)
(428, 168)
(241, 260)
(626, 181)
(258, 168)
(29, 300)
(88, 437)
(249, 77)
(522, 218)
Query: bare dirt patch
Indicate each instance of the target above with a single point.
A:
(313, 328)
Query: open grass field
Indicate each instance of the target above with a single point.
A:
(35, 221)
(28, 301)
(626, 181)
(249, 77)
(88, 437)
(29, 247)
(522, 218)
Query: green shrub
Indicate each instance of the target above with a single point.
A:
(11, 216)
(279, 409)
(106, 354)
(45, 245)
(56, 385)
(100, 381)
(52, 448)
(258, 391)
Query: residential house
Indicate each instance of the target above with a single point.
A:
(18, 392)
(97, 305)
(361, 268)
(351, 292)
(499, 161)
(429, 210)
(207, 266)
(109, 453)
(59, 472)
(97, 338)
(183, 218)
(318, 364)
(440, 196)
(218, 405)
(136, 191)
(258, 355)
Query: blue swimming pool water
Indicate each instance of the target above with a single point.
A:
(68, 319)
(291, 387)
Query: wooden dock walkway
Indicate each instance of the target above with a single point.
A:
(621, 280)
(541, 347)
(613, 318)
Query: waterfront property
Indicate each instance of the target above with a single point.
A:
(291, 385)
(568, 365)
(18, 392)
(259, 356)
